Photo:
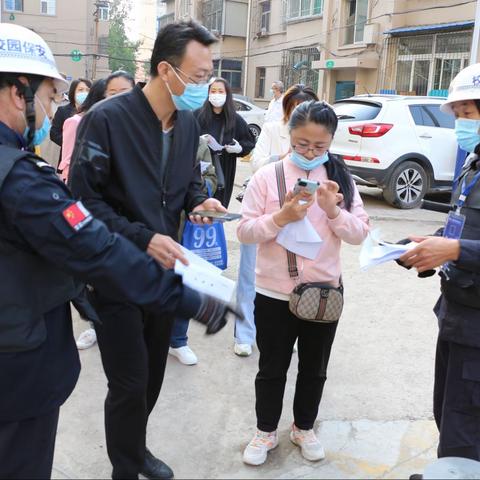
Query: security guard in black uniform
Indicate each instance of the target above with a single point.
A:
(48, 243)
(457, 250)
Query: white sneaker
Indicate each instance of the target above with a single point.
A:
(242, 349)
(308, 442)
(256, 451)
(87, 339)
(184, 354)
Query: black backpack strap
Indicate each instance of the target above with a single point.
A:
(282, 192)
(8, 157)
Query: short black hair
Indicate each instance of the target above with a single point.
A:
(73, 87)
(121, 74)
(172, 41)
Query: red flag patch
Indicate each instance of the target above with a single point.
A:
(77, 216)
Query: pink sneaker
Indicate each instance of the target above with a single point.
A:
(256, 451)
(308, 442)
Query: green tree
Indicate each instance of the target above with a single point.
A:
(121, 50)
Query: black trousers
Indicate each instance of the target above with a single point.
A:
(27, 446)
(456, 402)
(277, 330)
(134, 348)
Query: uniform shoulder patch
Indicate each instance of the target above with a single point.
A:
(77, 216)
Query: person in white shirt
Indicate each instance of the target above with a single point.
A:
(275, 108)
(273, 145)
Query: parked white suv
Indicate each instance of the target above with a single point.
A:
(253, 115)
(404, 145)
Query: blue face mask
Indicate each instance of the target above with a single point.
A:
(467, 132)
(305, 164)
(193, 97)
(80, 97)
(41, 134)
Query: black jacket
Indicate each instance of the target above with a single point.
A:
(459, 322)
(116, 167)
(34, 209)
(62, 114)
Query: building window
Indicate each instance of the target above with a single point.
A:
(231, 70)
(103, 45)
(13, 5)
(185, 8)
(265, 11)
(357, 11)
(297, 67)
(165, 20)
(303, 8)
(260, 82)
(104, 12)
(213, 15)
(425, 64)
(47, 7)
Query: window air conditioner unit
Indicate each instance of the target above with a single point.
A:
(370, 34)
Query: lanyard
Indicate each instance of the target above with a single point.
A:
(466, 189)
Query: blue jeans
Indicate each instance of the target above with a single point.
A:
(245, 330)
(179, 337)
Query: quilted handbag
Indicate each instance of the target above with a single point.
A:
(313, 302)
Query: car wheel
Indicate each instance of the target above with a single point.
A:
(255, 129)
(407, 185)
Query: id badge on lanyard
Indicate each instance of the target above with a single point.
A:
(456, 220)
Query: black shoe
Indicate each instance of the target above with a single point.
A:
(416, 476)
(154, 468)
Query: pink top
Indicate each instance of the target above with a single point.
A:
(257, 226)
(69, 135)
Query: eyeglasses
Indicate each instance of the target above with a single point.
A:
(206, 79)
(304, 149)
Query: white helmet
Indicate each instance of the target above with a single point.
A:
(23, 51)
(465, 86)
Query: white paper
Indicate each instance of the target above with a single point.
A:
(204, 166)
(214, 145)
(375, 251)
(205, 277)
(300, 238)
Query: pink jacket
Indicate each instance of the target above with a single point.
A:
(69, 135)
(257, 226)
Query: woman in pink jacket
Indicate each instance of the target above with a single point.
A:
(336, 213)
(96, 93)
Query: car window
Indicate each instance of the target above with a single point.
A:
(422, 117)
(241, 107)
(444, 120)
(348, 111)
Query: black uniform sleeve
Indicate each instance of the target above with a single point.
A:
(195, 194)
(37, 205)
(56, 130)
(469, 255)
(243, 135)
(90, 172)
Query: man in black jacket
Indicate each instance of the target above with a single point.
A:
(134, 166)
(47, 241)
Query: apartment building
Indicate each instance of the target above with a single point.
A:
(75, 33)
(346, 47)
(227, 19)
(145, 26)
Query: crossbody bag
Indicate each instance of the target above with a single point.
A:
(314, 302)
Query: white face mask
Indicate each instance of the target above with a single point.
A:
(217, 99)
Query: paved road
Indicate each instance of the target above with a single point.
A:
(375, 419)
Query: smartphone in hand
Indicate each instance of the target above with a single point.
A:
(303, 184)
(220, 216)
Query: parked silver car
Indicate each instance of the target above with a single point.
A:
(253, 115)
